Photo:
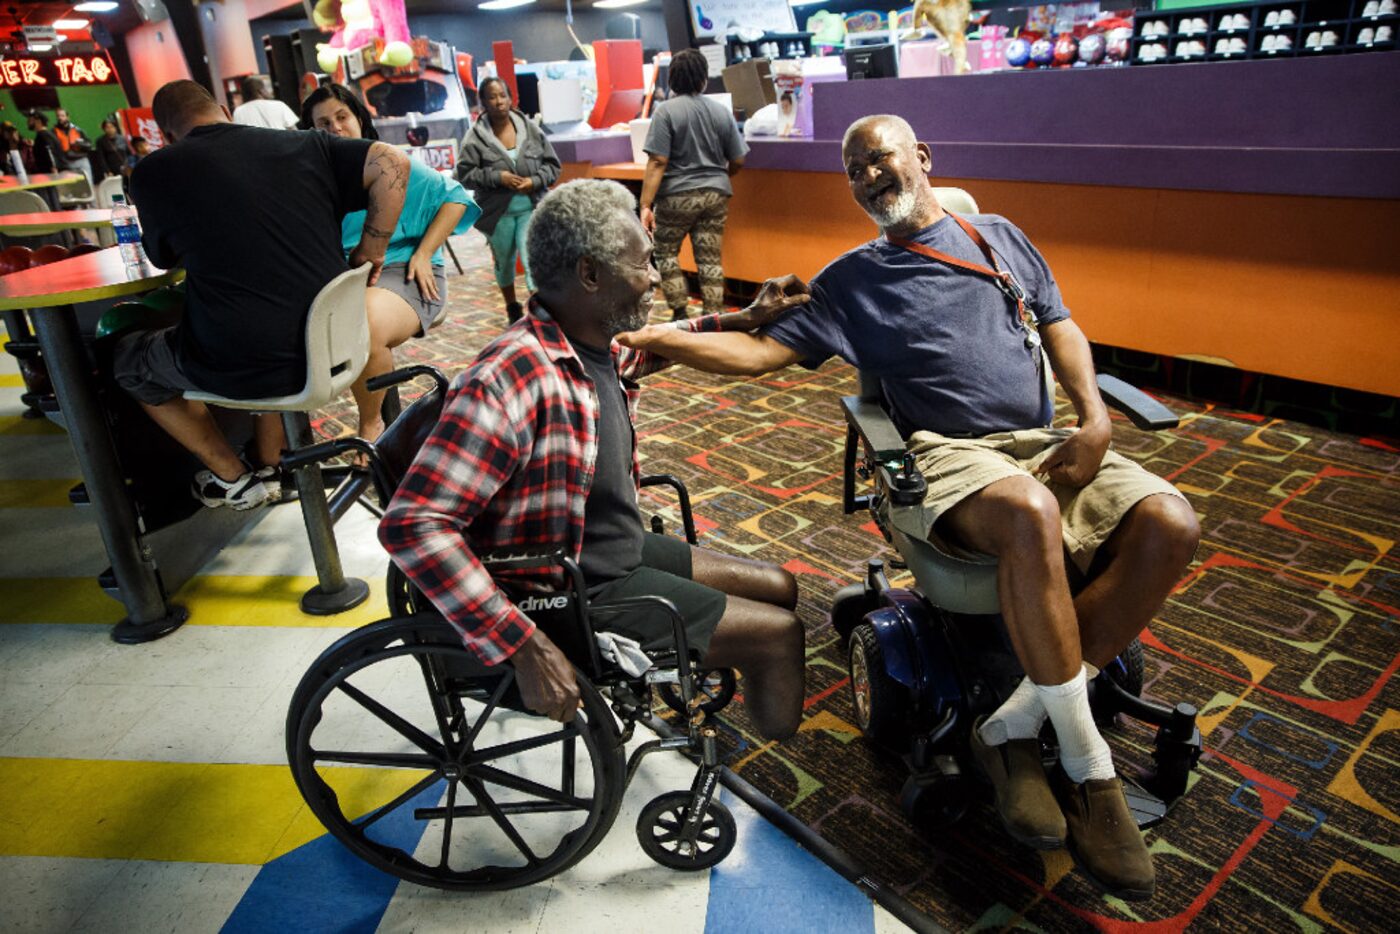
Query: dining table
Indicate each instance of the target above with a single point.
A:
(43, 223)
(48, 293)
(45, 183)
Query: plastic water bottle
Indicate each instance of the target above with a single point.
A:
(128, 232)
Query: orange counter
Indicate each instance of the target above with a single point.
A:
(1307, 288)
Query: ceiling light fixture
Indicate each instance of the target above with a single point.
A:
(96, 6)
(71, 23)
(502, 4)
(615, 4)
(41, 47)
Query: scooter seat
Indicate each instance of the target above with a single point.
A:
(957, 584)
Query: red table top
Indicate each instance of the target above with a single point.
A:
(80, 279)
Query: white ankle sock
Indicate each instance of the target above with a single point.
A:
(1083, 752)
(1021, 717)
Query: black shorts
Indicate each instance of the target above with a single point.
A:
(665, 572)
(146, 366)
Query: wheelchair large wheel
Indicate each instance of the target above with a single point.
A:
(421, 760)
(879, 698)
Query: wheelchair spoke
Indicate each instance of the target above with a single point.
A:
(447, 823)
(437, 699)
(391, 760)
(516, 783)
(478, 790)
(520, 745)
(405, 729)
(365, 823)
(490, 708)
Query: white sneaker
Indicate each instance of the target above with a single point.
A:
(1284, 43)
(1366, 36)
(1270, 43)
(1387, 6)
(1383, 33)
(1287, 18)
(1237, 45)
(1313, 41)
(247, 492)
(1222, 46)
(1329, 39)
(1271, 20)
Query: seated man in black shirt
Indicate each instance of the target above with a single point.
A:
(253, 216)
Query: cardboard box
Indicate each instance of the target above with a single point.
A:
(751, 85)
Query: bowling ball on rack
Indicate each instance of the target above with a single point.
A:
(1018, 53)
(1092, 48)
(1066, 50)
(1042, 52)
(49, 253)
(15, 259)
(1119, 44)
(82, 248)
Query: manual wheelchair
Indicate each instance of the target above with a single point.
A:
(425, 763)
(925, 662)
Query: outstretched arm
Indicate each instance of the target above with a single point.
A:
(1077, 460)
(733, 350)
(386, 180)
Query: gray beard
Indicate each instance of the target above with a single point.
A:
(620, 322)
(905, 204)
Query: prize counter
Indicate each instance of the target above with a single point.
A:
(1241, 213)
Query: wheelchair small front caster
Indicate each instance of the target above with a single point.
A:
(659, 831)
(716, 691)
(938, 798)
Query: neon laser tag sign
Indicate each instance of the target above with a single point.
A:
(56, 71)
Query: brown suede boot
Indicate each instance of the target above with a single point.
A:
(1104, 838)
(1023, 798)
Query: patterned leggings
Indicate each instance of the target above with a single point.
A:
(701, 214)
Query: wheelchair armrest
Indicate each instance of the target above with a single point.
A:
(385, 380)
(682, 495)
(874, 426)
(1142, 410)
(522, 560)
(316, 453)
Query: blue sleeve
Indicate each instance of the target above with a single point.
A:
(816, 330)
(436, 189)
(1043, 293)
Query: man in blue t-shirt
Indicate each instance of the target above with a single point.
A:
(950, 314)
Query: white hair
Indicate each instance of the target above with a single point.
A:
(586, 217)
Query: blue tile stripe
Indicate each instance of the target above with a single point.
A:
(771, 884)
(322, 886)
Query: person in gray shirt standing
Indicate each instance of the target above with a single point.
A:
(693, 147)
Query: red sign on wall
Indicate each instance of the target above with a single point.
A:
(62, 71)
(140, 121)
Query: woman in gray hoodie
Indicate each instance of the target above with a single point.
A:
(508, 164)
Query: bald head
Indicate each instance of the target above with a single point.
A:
(893, 128)
(179, 106)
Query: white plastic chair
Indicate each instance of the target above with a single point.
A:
(106, 189)
(22, 202)
(956, 200)
(337, 349)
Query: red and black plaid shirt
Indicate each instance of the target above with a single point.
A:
(507, 469)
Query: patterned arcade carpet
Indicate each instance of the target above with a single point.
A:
(1283, 633)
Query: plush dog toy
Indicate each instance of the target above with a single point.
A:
(949, 19)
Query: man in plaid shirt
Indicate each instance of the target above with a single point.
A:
(535, 450)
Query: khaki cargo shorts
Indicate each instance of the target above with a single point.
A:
(955, 468)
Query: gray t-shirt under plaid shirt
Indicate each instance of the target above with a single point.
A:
(699, 138)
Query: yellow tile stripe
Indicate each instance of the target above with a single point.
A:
(27, 494)
(172, 811)
(11, 380)
(14, 426)
(215, 600)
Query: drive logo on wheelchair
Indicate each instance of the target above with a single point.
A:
(536, 604)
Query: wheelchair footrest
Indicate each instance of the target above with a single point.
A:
(1147, 809)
